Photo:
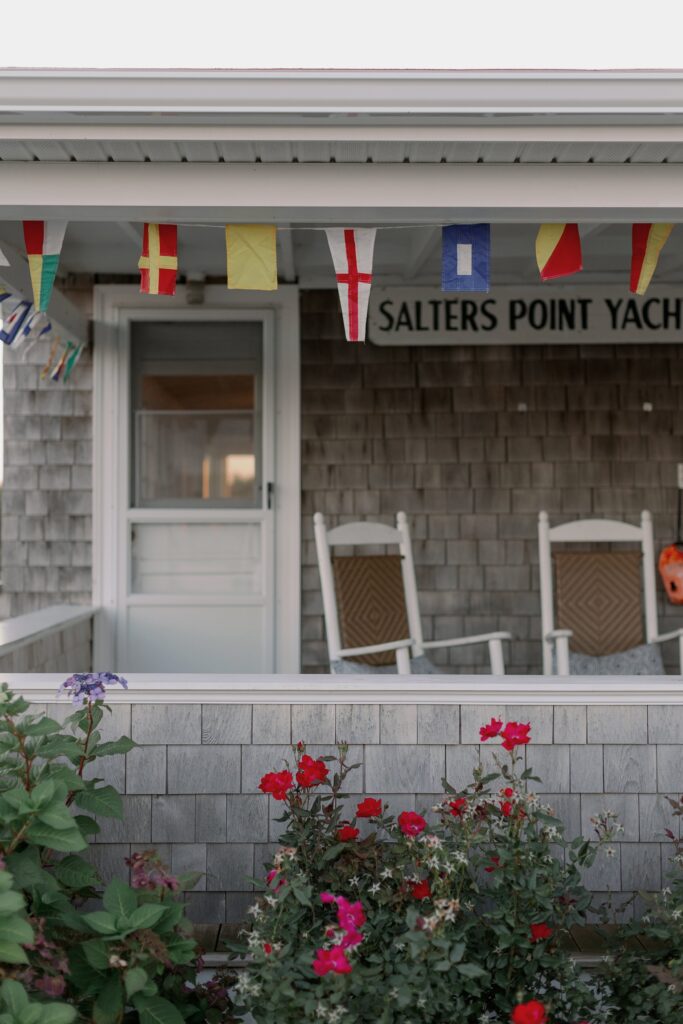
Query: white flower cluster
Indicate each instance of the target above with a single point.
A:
(332, 1014)
(246, 987)
(445, 912)
(283, 854)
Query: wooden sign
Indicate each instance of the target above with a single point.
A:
(525, 316)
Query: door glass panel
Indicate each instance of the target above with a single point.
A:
(207, 558)
(197, 421)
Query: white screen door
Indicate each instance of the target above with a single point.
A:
(197, 585)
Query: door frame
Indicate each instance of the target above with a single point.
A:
(115, 306)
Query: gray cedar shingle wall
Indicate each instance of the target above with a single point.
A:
(437, 432)
(47, 491)
(192, 785)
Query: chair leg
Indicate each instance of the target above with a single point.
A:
(496, 657)
(403, 661)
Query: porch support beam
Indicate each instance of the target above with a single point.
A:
(320, 194)
(62, 312)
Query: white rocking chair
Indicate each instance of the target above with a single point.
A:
(374, 597)
(606, 604)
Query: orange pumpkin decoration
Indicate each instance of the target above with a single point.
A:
(671, 572)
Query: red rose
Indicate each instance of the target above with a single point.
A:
(346, 833)
(311, 772)
(506, 808)
(495, 863)
(515, 735)
(487, 732)
(540, 932)
(277, 784)
(327, 960)
(369, 808)
(458, 806)
(532, 1012)
(508, 792)
(267, 948)
(411, 824)
(421, 890)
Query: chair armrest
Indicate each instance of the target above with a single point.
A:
(465, 641)
(674, 635)
(395, 645)
(557, 634)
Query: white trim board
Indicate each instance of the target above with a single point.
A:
(114, 308)
(22, 630)
(327, 193)
(312, 689)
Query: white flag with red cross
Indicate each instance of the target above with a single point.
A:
(352, 250)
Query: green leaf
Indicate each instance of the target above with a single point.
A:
(120, 746)
(104, 800)
(109, 1003)
(88, 826)
(41, 727)
(65, 840)
(14, 996)
(134, 979)
(76, 873)
(471, 970)
(62, 746)
(28, 871)
(15, 929)
(12, 953)
(96, 952)
(57, 1013)
(11, 902)
(56, 817)
(145, 916)
(66, 775)
(119, 899)
(156, 1010)
(102, 922)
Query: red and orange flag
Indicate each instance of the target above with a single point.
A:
(158, 264)
(558, 250)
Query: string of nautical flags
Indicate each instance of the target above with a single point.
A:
(251, 261)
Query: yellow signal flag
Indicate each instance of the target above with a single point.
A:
(252, 256)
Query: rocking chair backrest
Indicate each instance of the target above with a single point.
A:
(633, 580)
(367, 599)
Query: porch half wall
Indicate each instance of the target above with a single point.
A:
(438, 433)
(191, 786)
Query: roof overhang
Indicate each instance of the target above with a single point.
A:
(346, 97)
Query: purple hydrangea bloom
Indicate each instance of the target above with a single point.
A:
(84, 687)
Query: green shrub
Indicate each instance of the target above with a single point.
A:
(457, 919)
(133, 960)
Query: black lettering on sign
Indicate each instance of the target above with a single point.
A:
(403, 318)
(583, 305)
(538, 314)
(516, 311)
(632, 315)
(469, 315)
(419, 326)
(452, 315)
(654, 325)
(491, 317)
(385, 310)
(436, 313)
(566, 315)
(613, 307)
(669, 314)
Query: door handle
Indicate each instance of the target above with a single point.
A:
(270, 492)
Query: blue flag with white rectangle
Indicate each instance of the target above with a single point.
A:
(466, 252)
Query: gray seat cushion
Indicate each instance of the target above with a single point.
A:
(421, 666)
(644, 660)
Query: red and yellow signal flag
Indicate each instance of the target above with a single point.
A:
(44, 240)
(158, 264)
(558, 250)
(647, 242)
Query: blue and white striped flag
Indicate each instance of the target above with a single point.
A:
(466, 251)
(14, 321)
